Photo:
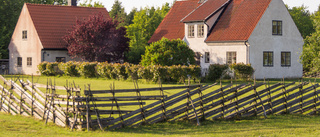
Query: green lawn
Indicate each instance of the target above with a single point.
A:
(282, 126)
(286, 125)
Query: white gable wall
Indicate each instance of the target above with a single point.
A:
(30, 47)
(262, 40)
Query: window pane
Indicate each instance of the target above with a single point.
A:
(279, 27)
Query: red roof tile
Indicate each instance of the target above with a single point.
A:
(171, 27)
(205, 10)
(52, 22)
(238, 20)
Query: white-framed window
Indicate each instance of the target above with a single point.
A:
(29, 61)
(268, 58)
(231, 57)
(190, 31)
(24, 35)
(207, 57)
(276, 27)
(19, 61)
(285, 59)
(200, 31)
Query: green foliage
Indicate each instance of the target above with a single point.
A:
(216, 71)
(167, 52)
(311, 49)
(302, 18)
(242, 71)
(69, 68)
(42, 67)
(118, 13)
(88, 69)
(145, 22)
(52, 69)
(120, 71)
(176, 73)
(88, 3)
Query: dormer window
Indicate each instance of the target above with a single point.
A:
(276, 27)
(190, 31)
(24, 35)
(200, 31)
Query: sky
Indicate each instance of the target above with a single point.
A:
(129, 4)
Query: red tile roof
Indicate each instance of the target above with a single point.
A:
(236, 23)
(52, 22)
(171, 27)
(238, 20)
(204, 11)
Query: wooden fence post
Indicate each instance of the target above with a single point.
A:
(222, 99)
(164, 111)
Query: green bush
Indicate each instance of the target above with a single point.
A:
(52, 69)
(175, 73)
(120, 71)
(88, 69)
(69, 68)
(43, 68)
(145, 73)
(242, 71)
(167, 52)
(216, 71)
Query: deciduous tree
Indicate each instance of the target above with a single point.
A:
(97, 39)
(145, 22)
(302, 19)
(168, 52)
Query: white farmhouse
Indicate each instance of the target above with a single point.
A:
(38, 35)
(257, 32)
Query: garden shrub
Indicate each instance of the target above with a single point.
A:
(216, 71)
(120, 71)
(175, 73)
(88, 69)
(145, 73)
(52, 69)
(242, 71)
(69, 68)
(43, 68)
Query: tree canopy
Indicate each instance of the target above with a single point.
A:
(97, 39)
(167, 53)
(88, 3)
(302, 18)
(311, 48)
(144, 24)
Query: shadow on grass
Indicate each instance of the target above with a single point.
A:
(249, 125)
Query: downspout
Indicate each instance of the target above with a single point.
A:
(248, 53)
(43, 55)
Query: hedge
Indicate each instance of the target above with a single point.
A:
(176, 73)
(116, 71)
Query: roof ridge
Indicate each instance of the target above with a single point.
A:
(50, 5)
(193, 10)
(214, 12)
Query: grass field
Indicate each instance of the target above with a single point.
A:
(277, 126)
(286, 125)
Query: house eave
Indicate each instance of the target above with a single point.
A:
(226, 43)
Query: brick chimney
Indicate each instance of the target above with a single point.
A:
(72, 2)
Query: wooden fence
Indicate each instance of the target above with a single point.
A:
(113, 109)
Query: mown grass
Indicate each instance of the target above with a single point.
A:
(286, 125)
(277, 126)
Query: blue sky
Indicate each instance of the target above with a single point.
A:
(129, 4)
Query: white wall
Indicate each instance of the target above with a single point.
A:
(262, 40)
(218, 51)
